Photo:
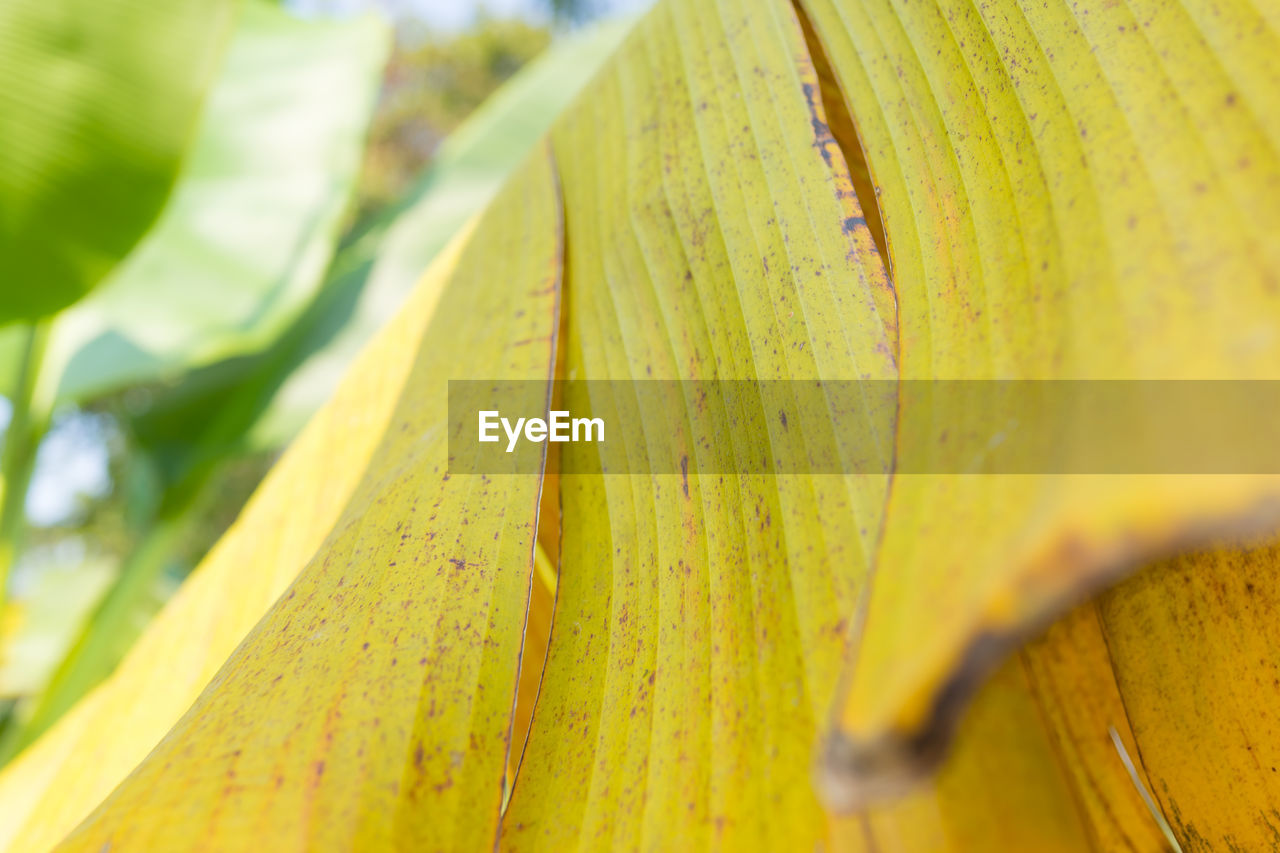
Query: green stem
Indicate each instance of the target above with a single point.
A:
(30, 420)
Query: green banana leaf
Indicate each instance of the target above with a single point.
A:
(98, 100)
(243, 244)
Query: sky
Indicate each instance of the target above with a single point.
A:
(455, 15)
(72, 461)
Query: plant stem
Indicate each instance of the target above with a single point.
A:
(30, 420)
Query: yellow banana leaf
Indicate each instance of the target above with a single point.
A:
(376, 753)
(700, 619)
(755, 189)
(1039, 171)
(1193, 642)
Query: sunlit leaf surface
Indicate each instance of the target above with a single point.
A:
(700, 619)
(437, 593)
(1039, 170)
(1079, 191)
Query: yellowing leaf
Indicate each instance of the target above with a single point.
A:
(1070, 674)
(1033, 766)
(533, 654)
(712, 232)
(1193, 642)
(1060, 198)
(1002, 789)
(370, 707)
(1079, 192)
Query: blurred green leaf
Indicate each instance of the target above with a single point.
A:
(249, 231)
(98, 99)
